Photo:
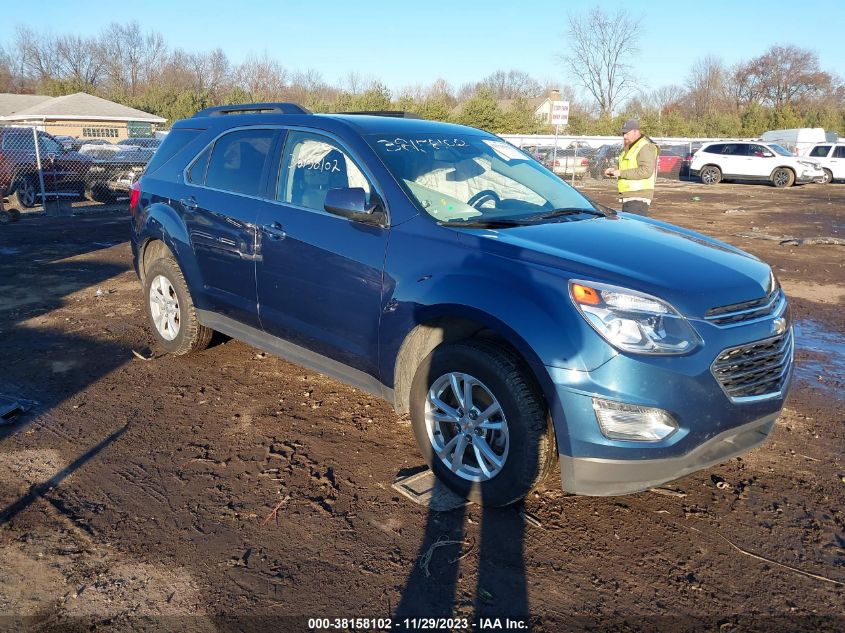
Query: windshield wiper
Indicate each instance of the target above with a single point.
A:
(562, 212)
(490, 223)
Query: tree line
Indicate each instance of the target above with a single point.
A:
(783, 87)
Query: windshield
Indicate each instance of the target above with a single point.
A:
(474, 178)
(781, 150)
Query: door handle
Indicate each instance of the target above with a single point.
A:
(189, 204)
(275, 231)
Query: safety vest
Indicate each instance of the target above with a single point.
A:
(628, 160)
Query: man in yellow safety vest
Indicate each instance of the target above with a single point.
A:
(637, 171)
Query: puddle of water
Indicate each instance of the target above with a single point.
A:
(826, 368)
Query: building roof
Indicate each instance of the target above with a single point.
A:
(11, 103)
(79, 106)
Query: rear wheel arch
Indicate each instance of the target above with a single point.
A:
(152, 250)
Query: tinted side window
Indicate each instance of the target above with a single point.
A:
(736, 149)
(311, 165)
(820, 151)
(718, 148)
(237, 161)
(196, 174)
(20, 140)
(757, 150)
(839, 152)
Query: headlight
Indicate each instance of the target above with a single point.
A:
(633, 321)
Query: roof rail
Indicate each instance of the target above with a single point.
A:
(399, 114)
(254, 108)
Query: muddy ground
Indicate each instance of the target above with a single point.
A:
(140, 494)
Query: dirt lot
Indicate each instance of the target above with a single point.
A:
(140, 494)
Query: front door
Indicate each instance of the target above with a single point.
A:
(319, 275)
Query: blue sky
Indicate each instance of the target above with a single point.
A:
(404, 42)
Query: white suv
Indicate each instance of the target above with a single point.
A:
(831, 156)
(753, 160)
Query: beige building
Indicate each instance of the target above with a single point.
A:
(542, 105)
(79, 115)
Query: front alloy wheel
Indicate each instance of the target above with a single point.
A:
(466, 427)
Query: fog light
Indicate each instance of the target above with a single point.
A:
(619, 421)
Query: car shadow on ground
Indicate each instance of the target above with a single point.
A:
(46, 362)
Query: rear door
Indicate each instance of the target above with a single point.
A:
(220, 210)
(320, 275)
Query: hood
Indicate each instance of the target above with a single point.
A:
(691, 271)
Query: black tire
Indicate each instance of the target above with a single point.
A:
(5, 217)
(710, 175)
(531, 454)
(26, 192)
(783, 177)
(100, 193)
(190, 335)
(828, 177)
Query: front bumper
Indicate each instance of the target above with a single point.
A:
(604, 477)
(718, 417)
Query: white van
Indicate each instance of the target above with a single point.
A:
(831, 157)
(797, 140)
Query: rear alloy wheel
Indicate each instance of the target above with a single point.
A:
(171, 309)
(480, 423)
(783, 177)
(711, 175)
(828, 177)
(26, 193)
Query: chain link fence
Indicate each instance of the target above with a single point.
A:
(67, 168)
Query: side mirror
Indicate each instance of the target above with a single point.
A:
(767, 154)
(351, 202)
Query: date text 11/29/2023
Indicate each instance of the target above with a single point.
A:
(416, 624)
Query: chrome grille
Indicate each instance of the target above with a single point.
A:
(756, 370)
(747, 310)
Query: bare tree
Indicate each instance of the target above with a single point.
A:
(707, 86)
(512, 84)
(262, 78)
(130, 58)
(80, 61)
(39, 60)
(781, 76)
(600, 47)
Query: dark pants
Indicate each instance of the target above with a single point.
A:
(635, 206)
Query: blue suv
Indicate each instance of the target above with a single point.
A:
(518, 323)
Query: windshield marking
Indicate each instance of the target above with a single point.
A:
(417, 144)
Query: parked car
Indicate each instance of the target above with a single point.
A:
(146, 143)
(114, 169)
(747, 160)
(569, 161)
(604, 157)
(63, 170)
(831, 157)
(674, 161)
(438, 267)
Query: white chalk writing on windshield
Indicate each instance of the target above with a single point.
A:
(419, 144)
